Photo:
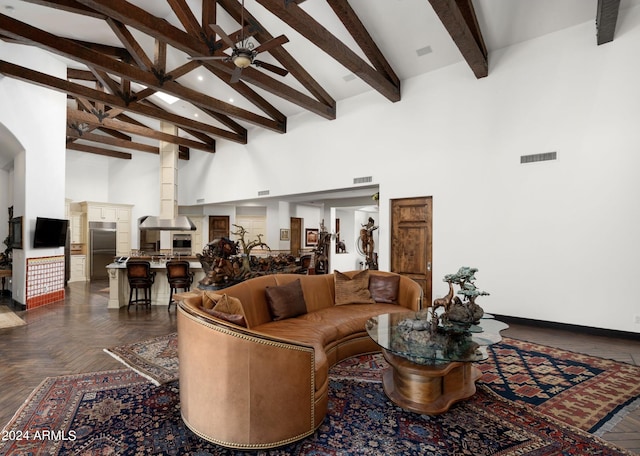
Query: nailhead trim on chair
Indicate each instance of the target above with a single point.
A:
(237, 332)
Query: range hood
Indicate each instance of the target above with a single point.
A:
(179, 223)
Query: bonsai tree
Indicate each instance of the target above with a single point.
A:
(464, 311)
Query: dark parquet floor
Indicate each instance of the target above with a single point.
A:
(68, 338)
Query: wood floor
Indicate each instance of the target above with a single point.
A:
(68, 337)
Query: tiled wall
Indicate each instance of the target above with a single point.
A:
(45, 281)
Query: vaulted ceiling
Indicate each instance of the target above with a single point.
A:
(124, 56)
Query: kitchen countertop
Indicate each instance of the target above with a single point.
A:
(154, 265)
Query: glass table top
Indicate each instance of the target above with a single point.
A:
(410, 335)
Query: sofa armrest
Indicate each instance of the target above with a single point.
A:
(237, 384)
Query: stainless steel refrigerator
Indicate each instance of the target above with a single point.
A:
(102, 248)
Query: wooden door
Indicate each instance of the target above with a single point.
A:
(295, 237)
(218, 227)
(411, 241)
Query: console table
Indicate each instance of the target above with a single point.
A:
(428, 375)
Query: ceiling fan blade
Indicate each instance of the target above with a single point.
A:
(211, 57)
(235, 76)
(277, 41)
(269, 67)
(223, 36)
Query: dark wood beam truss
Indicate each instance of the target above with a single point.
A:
(606, 19)
(307, 26)
(117, 71)
(459, 18)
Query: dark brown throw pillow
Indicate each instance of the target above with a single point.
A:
(236, 319)
(286, 301)
(384, 288)
(354, 290)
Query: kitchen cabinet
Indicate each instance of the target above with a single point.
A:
(78, 270)
(123, 233)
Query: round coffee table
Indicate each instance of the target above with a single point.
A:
(430, 370)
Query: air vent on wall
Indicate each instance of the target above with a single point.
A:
(538, 157)
(362, 180)
(263, 193)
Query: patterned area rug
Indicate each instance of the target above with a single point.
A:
(584, 391)
(590, 393)
(155, 359)
(120, 413)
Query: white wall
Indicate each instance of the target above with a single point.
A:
(36, 117)
(553, 241)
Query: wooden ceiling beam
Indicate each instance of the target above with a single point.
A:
(103, 78)
(606, 19)
(69, 5)
(77, 90)
(131, 44)
(110, 51)
(145, 93)
(209, 16)
(459, 18)
(98, 151)
(160, 29)
(80, 75)
(187, 18)
(327, 105)
(89, 57)
(311, 29)
(248, 93)
(84, 117)
(360, 34)
(103, 139)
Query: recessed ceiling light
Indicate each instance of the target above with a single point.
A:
(200, 78)
(195, 114)
(230, 100)
(424, 51)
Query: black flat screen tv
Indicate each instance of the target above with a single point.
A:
(50, 232)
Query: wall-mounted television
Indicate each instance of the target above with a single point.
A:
(15, 233)
(50, 232)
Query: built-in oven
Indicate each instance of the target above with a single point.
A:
(182, 244)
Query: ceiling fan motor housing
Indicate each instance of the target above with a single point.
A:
(242, 58)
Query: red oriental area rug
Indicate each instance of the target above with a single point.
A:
(121, 413)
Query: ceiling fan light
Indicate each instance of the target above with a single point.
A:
(242, 61)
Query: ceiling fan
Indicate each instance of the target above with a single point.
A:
(243, 53)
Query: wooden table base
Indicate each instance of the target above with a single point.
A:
(428, 389)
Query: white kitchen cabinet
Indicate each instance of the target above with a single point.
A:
(78, 268)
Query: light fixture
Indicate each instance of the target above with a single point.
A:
(243, 59)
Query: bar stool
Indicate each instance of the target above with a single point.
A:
(140, 278)
(179, 277)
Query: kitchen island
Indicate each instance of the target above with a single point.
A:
(119, 284)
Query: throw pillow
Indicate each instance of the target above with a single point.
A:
(354, 290)
(384, 288)
(210, 299)
(229, 305)
(286, 301)
(236, 319)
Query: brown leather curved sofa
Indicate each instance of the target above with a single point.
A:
(266, 384)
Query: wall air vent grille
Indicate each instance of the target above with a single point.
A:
(538, 157)
(362, 180)
(263, 193)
